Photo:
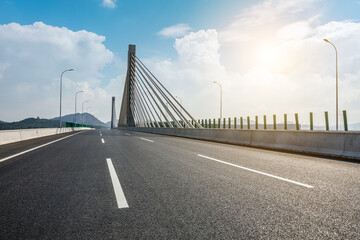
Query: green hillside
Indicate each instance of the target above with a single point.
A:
(29, 123)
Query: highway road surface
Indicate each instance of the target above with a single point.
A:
(113, 184)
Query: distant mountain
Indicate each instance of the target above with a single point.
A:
(29, 123)
(52, 123)
(86, 118)
(109, 123)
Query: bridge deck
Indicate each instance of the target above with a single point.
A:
(175, 188)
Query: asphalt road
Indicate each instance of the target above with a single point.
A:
(163, 187)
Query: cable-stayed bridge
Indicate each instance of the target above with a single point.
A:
(147, 103)
(138, 181)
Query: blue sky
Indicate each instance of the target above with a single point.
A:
(128, 22)
(218, 30)
(138, 21)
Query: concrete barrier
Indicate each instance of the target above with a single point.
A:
(322, 143)
(10, 136)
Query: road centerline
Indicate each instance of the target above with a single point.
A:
(127, 134)
(145, 139)
(102, 140)
(119, 193)
(256, 171)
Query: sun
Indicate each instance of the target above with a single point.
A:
(269, 56)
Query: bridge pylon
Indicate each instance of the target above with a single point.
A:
(126, 118)
(147, 103)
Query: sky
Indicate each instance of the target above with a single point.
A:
(268, 55)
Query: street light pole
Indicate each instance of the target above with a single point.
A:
(61, 89)
(82, 114)
(337, 86)
(220, 98)
(75, 104)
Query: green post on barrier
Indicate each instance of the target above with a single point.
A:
(202, 122)
(224, 123)
(219, 122)
(327, 121)
(311, 121)
(234, 122)
(274, 121)
(199, 122)
(256, 122)
(241, 123)
(264, 121)
(229, 123)
(345, 121)
(206, 125)
(297, 121)
(285, 121)
(248, 122)
(214, 124)
(209, 123)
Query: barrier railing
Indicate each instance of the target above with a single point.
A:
(238, 123)
(285, 125)
(70, 124)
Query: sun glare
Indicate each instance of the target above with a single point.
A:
(269, 56)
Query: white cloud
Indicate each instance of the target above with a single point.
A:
(33, 56)
(295, 31)
(109, 3)
(190, 76)
(264, 16)
(271, 59)
(199, 48)
(174, 31)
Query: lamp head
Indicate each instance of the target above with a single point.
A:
(326, 40)
(71, 69)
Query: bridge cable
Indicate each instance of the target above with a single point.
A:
(142, 104)
(182, 117)
(147, 107)
(196, 123)
(159, 99)
(164, 96)
(138, 77)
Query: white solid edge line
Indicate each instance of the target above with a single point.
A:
(256, 171)
(102, 140)
(119, 194)
(29, 150)
(147, 139)
(127, 134)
